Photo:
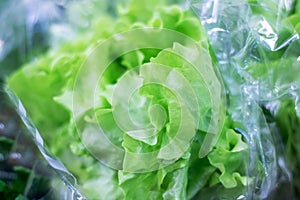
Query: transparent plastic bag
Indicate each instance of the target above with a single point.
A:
(24, 173)
(237, 155)
(25, 34)
(257, 50)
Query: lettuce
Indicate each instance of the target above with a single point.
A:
(174, 142)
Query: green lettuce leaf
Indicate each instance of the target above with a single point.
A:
(176, 144)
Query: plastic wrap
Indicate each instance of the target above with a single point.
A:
(257, 50)
(24, 174)
(68, 179)
(23, 170)
(237, 95)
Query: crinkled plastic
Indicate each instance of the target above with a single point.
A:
(69, 191)
(24, 172)
(24, 34)
(256, 49)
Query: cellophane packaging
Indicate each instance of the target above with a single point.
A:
(160, 99)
